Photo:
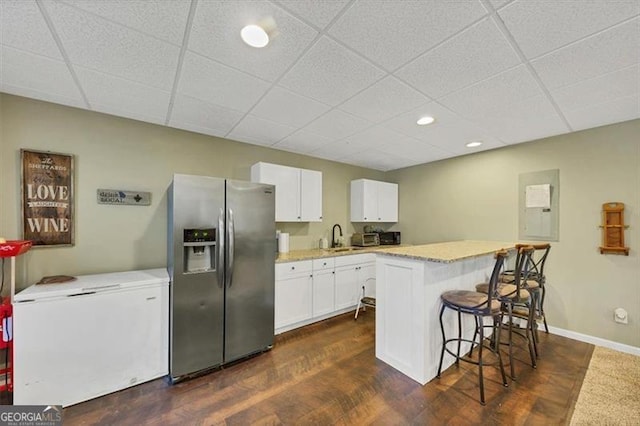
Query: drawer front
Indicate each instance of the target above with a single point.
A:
(324, 264)
(291, 269)
(354, 259)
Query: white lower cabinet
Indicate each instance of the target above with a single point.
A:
(293, 293)
(313, 290)
(324, 298)
(346, 286)
(353, 272)
(367, 278)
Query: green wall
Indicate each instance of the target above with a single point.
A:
(475, 197)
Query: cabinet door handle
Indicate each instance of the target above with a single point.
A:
(333, 272)
(293, 267)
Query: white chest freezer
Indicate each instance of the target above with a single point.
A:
(96, 335)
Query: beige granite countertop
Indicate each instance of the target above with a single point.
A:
(448, 252)
(295, 255)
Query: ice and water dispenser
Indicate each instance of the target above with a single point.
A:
(199, 250)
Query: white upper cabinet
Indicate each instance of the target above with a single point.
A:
(374, 201)
(310, 195)
(298, 191)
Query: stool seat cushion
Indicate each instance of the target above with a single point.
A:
(469, 300)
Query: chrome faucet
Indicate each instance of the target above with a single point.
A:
(334, 243)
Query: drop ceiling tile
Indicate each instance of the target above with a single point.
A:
(330, 73)
(385, 99)
(336, 151)
(216, 35)
(527, 120)
(120, 111)
(125, 95)
(618, 110)
(163, 19)
(499, 3)
(260, 132)
(449, 132)
(607, 51)
(495, 93)
(337, 125)
(37, 73)
(538, 28)
(604, 88)
(378, 160)
(414, 149)
(215, 83)
(202, 117)
(286, 107)
(390, 34)
(476, 54)
(99, 44)
(47, 97)
(408, 148)
(406, 123)
(303, 142)
(374, 137)
(23, 27)
(317, 12)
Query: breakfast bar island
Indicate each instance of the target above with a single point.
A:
(408, 287)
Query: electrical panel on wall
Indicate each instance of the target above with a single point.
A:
(539, 205)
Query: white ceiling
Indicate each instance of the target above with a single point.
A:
(342, 80)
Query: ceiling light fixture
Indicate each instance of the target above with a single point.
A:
(423, 121)
(254, 36)
(473, 144)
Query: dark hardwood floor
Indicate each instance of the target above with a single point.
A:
(327, 373)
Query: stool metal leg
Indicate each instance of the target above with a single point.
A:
(444, 341)
(497, 328)
(459, 337)
(481, 332)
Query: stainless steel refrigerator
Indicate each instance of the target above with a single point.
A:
(221, 261)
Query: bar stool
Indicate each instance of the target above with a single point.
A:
(517, 301)
(537, 277)
(480, 305)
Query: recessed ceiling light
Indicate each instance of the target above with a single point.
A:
(423, 121)
(254, 36)
(473, 144)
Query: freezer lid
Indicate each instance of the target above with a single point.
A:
(94, 283)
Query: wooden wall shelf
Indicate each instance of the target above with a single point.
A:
(613, 229)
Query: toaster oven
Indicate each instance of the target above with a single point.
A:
(365, 240)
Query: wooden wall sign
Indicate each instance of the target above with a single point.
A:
(120, 197)
(47, 198)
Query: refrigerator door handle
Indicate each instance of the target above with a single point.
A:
(231, 236)
(220, 247)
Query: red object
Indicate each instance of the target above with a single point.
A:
(6, 373)
(13, 248)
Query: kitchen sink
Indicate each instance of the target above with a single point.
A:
(343, 249)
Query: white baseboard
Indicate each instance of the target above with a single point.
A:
(633, 350)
